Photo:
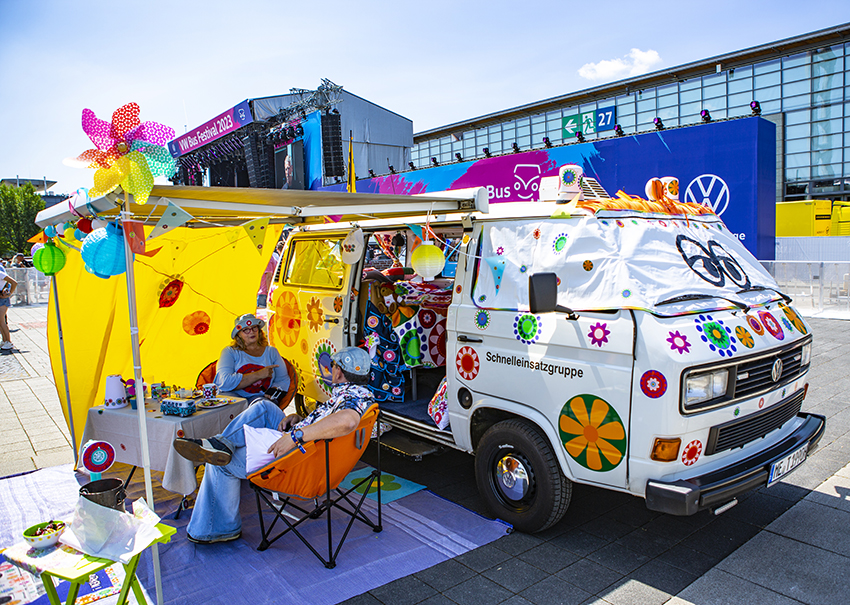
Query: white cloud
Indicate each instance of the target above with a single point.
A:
(635, 63)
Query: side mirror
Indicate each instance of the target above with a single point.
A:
(543, 295)
(542, 292)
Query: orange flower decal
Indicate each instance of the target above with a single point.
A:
(338, 304)
(288, 322)
(592, 433)
(794, 318)
(196, 323)
(315, 315)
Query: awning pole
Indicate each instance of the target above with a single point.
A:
(74, 443)
(140, 387)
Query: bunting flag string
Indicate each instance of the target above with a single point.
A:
(173, 216)
(256, 229)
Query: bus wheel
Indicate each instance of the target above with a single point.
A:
(519, 477)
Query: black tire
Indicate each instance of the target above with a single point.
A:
(530, 506)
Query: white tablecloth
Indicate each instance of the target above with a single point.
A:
(120, 428)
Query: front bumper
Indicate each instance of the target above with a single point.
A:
(688, 496)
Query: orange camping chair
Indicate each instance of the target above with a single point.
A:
(312, 477)
(207, 376)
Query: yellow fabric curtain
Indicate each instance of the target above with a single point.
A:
(188, 294)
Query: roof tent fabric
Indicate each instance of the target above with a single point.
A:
(189, 290)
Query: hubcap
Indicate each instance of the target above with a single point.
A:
(512, 478)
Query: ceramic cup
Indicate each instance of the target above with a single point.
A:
(209, 390)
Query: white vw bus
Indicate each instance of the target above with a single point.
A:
(617, 343)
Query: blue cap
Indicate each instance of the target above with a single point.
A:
(353, 360)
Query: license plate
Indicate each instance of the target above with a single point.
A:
(780, 468)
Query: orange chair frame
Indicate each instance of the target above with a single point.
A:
(314, 476)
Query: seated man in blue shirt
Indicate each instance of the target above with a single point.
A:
(250, 366)
(215, 517)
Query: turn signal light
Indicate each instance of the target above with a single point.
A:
(665, 450)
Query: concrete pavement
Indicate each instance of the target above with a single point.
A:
(786, 544)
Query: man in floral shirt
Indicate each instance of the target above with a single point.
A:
(215, 517)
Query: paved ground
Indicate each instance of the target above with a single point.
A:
(783, 545)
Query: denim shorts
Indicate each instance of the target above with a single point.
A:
(5, 302)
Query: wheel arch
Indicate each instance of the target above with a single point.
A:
(488, 414)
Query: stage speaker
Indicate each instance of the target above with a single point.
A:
(334, 159)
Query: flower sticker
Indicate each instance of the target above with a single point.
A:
(560, 243)
(620, 223)
(592, 433)
(787, 325)
(523, 268)
(587, 265)
(771, 325)
(755, 325)
(322, 353)
(653, 384)
(196, 323)
(718, 337)
(536, 233)
(500, 251)
(691, 452)
(482, 319)
(794, 318)
(527, 328)
(745, 337)
(338, 304)
(598, 334)
(372, 322)
(315, 315)
(170, 292)
(679, 342)
(627, 293)
(288, 318)
(427, 318)
(467, 363)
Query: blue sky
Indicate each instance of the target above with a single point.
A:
(433, 61)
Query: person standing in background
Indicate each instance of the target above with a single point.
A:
(9, 285)
(268, 275)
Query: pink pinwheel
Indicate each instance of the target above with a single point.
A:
(128, 152)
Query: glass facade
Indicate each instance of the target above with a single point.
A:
(809, 88)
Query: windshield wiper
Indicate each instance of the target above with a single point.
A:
(689, 297)
(785, 297)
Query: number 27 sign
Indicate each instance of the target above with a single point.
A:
(589, 122)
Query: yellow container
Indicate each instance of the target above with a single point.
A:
(840, 218)
(804, 218)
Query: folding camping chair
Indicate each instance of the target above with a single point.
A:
(207, 376)
(311, 477)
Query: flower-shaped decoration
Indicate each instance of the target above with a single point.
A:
(288, 322)
(322, 353)
(170, 291)
(315, 315)
(598, 334)
(653, 384)
(527, 328)
(560, 243)
(388, 482)
(304, 346)
(787, 325)
(679, 342)
(196, 323)
(755, 325)
(467, 363)
(500, 251)
(536, 233)
(338, 304)
(691, 452)
(794, 318)
(128, 152)
(716, 335)
(592, 432)
(771, 325)
(482, 319)
(587, 265)
(745, 337)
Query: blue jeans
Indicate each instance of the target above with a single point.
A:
(216, 512)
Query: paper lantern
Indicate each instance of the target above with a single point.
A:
(50, 231)
(79, 235)
(103, 251)
(427, 260)
(49, 259)
(84, 225)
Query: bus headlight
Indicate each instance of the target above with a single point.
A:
(806, 354)
(705, 387)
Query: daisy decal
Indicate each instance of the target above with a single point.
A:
(196, 323)
(755, 325)
(467, 363)
(315, 315)
(653, 384)
(795, 319)
(716, 335)
(679, 342)
(482, 319)
(527, 328)
(745, 337)
(500, 251)
(771, 325)
(587, 265)
(536, 233)
(598, 334)
(592, 433)
(338, 304)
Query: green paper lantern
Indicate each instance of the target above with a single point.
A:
(49, 259)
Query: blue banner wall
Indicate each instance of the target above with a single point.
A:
(730, 166)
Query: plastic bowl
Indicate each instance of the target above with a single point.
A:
(46, 539)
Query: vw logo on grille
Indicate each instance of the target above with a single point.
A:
(776, 372)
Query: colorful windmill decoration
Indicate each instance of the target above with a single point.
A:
(128, 152)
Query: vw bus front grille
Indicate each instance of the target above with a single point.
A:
(754, 376)
(738, 433)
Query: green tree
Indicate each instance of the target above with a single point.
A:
(18, 207)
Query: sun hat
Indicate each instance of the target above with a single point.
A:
(353, 360)
(246, 321)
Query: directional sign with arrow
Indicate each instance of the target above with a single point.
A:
(589, 122)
